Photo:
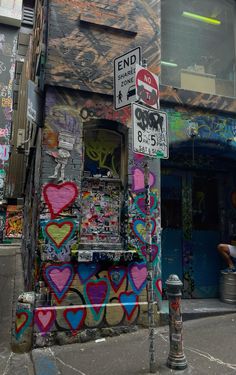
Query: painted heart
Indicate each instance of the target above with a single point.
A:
(59, 197)
(87, 270)
(117, 275)
(59, 232)
(154, 251)
(44, 318)
(139, 202)
(137, 276)
(158, 288)
(23, 321)
(138, 180)
(139, 229)
(129, 302)
(75, 317)
(96, 295)
(59, 279)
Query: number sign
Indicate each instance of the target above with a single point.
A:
(150, 133)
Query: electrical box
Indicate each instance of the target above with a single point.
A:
(20, 138)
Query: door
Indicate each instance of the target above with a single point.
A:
(191, 231)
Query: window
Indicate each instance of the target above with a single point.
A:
(198, 45)
(102, 188)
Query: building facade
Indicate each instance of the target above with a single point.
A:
(84, 240)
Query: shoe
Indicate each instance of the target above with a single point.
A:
(229, 270)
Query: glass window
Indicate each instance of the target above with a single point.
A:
(198, 45)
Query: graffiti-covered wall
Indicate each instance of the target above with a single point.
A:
(8, 44)
(100, 282)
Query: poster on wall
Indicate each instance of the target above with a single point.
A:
(14, 222)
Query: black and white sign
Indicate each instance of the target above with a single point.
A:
(150, 132)
(34, 104)
(124, 78)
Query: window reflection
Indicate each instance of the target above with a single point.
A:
(198, 45)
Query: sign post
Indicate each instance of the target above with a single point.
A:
(150, 138)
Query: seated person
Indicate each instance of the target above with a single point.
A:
(228, 253)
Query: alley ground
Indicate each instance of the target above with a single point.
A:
(210, 343)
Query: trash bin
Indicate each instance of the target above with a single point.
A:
(228, 287)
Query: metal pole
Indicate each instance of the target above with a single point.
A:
(176, 359)
(150, 295)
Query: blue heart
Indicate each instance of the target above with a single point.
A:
(87, 270)
(75, 318)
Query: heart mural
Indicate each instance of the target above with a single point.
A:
(97, 294)
(138, 180)
(23, 321)
(59, 232)
(137, 276)
(158, 288)
(87, 270)
(117, 275)
(154, 252)
(140, 205)
(139, 229)
(75, 317)
(59, 197)
(129, 302)
(44, 318)
(59, 279)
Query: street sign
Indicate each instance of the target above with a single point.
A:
(147, 87)
(124, 77)
(150, 132)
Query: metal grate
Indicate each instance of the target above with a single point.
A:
(28, 16)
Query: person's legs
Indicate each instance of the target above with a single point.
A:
(224, 251)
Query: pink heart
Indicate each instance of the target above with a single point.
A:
(138, 179)
(44, 319)
(138, 276)
(60, 277)
(58, 197)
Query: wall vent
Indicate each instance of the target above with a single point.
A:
(28, 16)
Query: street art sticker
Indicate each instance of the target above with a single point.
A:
(158, 288)
(75, 317)
(117, 275)
(66, 143)
(14, 222)
(59, 279)
(4, 152)
(138, 180)
(96, 295)
(129, 302)
(137, 276)
(59, 232)
(59, 197)
(86, 271)
(44, 318)
(23, 321)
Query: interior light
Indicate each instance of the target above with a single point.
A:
(197, 17)
(167, 63)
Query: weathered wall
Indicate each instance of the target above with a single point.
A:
(8, 42)
(86, 36)
(109, 290)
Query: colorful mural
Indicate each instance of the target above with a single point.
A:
(14, 221)
(84, 217)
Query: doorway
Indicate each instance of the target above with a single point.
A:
(191, 230)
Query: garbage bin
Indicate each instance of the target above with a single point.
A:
(228, 287)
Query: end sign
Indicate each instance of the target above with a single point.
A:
(124, 77)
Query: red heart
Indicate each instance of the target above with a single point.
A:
(21, 319)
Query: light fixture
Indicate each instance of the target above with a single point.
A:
(167, 63)
(198, 17)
